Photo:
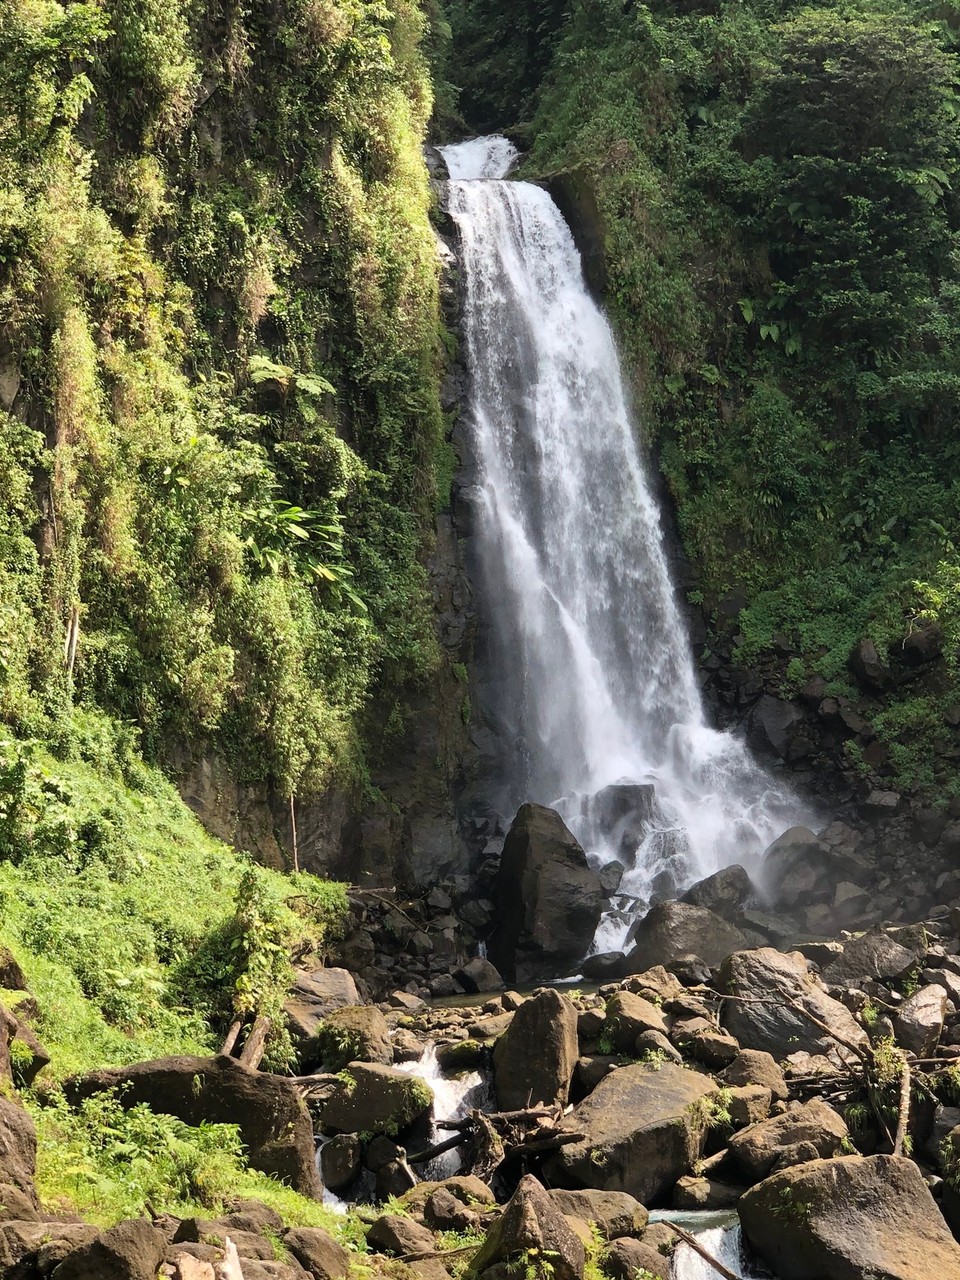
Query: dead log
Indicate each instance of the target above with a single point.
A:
(233, 1035)
(255, 1043)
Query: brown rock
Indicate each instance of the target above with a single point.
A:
(318, 1253)
(530, 1221)
(533, 1060)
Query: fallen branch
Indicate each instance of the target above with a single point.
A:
(903, 1116)
(256, 1042)
(697, 1247)
(431, 1153)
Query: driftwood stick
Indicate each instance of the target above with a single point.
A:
(255, 1043)
(424, 1157)
(539, 1145)
(233, 1035)
(697, 1247)
(903, 1116)
(502, 1117)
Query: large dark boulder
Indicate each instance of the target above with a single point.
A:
(762, 1019)
(674, 929)
(549, 901)
(799, 869)
(777, 727)
(725, 893)
(875, 954)
(850, 1218)
(531, 1225)
(869, 669)
(273, 1121)
(129, 1251)
(533, 1060)
(622, 810)
(643, 1127)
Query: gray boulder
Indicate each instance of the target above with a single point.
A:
(918, 1022)
(800, 869)
(755, 1067)
(614, 1212)
(549, 901)
(479, 975)
(628, 1016)
(355, 1033)
(725, 893)
(873, 955)
(674, 929)
(852, 1218)
(318, 1253)
(643, 1127)
(626, 1259)
(314, 996)
(758, 1148)
(533, 1061)
(763, 1020)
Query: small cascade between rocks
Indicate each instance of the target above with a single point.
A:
(453, 1097)
(722, 1243)
(588, 684)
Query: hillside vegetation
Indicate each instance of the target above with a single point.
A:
(775, 185)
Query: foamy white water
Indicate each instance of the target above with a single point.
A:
(453, 1097)
(582, 638)
(722, 1243)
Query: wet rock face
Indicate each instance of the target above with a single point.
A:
(549, 901)
(851, 1218)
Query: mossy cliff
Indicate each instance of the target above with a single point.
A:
(220, 357)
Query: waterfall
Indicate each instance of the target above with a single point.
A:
(589, 679)
(722, 1243)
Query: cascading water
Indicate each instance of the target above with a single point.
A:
(722, 1243)
(453, 1097)
(592, 681)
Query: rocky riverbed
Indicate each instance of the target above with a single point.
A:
(750, 1051)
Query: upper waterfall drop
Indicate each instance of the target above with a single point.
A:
(595, 683)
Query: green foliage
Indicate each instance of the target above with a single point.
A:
(223, 310)
(111, 1164)
(140, 934)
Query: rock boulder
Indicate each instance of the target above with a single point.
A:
(765, 1021)
(531, 1222)
(643, 1128)
(549, 901)
(533, 1061)
(853, 1218)
(273, 1121)
(674, 929)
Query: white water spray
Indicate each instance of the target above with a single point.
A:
(594, 682)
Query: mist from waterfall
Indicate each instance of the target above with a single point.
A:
(582, 639)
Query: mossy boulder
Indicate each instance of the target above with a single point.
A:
(371, 1098)
(357, 1033)
(643, 1127)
